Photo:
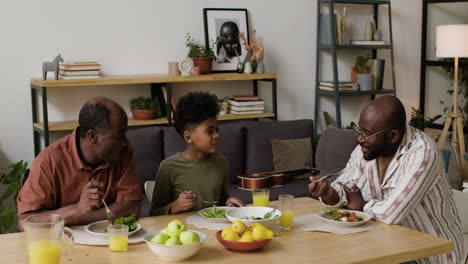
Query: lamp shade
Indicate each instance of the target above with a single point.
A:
(452, 41)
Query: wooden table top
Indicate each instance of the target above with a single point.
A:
(383, 244)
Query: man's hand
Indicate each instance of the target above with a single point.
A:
(233, 201)
(185, 201)
(321, 188)
(354, 196)
(91, 197)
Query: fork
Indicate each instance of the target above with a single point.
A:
(109, 213)
(207, 202)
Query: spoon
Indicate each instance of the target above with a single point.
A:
(269, 214)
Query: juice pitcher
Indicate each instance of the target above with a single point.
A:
(49, 240)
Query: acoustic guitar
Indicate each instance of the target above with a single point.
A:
(264, 180)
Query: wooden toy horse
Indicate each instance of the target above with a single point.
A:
(51, 66)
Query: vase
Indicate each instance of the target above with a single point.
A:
(248, 68)
(139, 114)
(369, 30)
(365, 81)
(223, 108)
(260, 68)
(377, 35)
(205, 64)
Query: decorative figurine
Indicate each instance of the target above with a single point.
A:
(370, 28)
(51, 66)
(255, 53)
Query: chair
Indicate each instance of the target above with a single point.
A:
(149, 188)
(461, 202)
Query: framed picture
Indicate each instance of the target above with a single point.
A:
(222, 29)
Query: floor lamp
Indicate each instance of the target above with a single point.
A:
(452, 42)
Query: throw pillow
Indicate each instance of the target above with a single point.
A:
(291, 154)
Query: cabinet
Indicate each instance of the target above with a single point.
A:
(333, 47)
(40, 87)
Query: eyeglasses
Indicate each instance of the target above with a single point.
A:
(361, 135)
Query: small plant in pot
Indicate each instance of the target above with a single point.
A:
(143, 108)
(223, 104)
(363, 76)
(201, 56)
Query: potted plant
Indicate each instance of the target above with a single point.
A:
(12, 180)
(143, 108)
(201, 56)
(223, 104)
(363, 76)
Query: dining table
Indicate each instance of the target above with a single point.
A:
(382, 244)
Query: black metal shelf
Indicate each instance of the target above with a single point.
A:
(358, 2)
(354, 93)
(329, 46)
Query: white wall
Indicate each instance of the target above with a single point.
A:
(140, 37)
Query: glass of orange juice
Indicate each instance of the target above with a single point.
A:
(286, 205)
(118, 237)
(47, 236)
(261, 197)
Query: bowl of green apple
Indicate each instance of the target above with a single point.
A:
(175, 242)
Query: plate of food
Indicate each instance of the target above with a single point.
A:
(215, 214)
(99, 228)
(344, 218)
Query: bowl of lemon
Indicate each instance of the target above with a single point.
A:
(243, 238)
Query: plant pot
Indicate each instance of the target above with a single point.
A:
(353, 74)
(205, 64)
(365, 81)
(223, 108)
(143, 114)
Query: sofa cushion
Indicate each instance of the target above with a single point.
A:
(259, 156)
(232, 146)
(173, 142)
(334, 149)
(290, 154)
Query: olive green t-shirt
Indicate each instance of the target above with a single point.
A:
(207, 179)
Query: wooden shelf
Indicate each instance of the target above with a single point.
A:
(72, 124)
(156, 78)
(341, 46)
(351, 93)
(358, 2)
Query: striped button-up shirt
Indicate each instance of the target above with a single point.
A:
(414, 193)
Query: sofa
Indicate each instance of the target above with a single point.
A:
(248, 149)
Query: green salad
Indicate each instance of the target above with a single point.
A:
(214, 213)
(131, 221)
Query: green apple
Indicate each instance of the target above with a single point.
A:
(173, 241)
(164, 231)
(189, 237)
(160, 238)
(175, 227)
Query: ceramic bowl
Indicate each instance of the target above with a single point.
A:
(242, 246)
(326, 218)
(240, 213)
(99, 228)
(215, 220)
(174, 252)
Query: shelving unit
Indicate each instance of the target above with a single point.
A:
(333, 47)
(39, 86)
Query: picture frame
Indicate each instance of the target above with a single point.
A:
(222, 28)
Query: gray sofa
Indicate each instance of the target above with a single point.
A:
(247, 147)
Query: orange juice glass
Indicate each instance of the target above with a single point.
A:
(261, 197)
(286, 206)
(118, 237)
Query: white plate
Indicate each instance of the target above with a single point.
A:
(239, 213)
(98, 228)
(326, 218)
(215, 220)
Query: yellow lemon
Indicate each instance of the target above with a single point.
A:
(239, 227)
(260, 232)
(247, 237)
(229, 234)
(252, 226)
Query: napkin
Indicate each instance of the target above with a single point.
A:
(80, 236)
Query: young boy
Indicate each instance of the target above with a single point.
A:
(198, 173)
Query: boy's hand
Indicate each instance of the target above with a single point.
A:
(233, 201)
(185, 201)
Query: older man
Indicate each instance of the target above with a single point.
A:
(396, 175)
(72, 176)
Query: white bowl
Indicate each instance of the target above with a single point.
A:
(239, 213)
(326, 218)
(215, 220)
(174, 252)
(99, 228)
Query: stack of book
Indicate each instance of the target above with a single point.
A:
(79, 70)
(246, 105)
(342, 86)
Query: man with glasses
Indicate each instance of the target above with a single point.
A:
(396, 175)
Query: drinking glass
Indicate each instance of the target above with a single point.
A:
(261, 197)
(118, 237)
(46, 236)
(286, 205)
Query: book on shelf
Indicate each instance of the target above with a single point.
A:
(344, 88)
(367, 42)
(79, 65)
(76, 77)
(245, 112)
(377, 68)
(245, 97)
(246, 103)
(247, 108)
(332, 84)
(75, 73)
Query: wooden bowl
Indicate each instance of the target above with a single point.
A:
(241, 246)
